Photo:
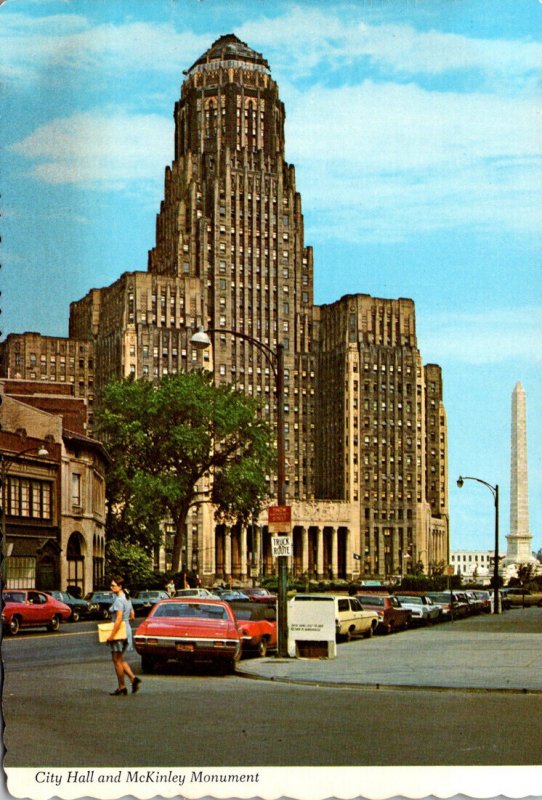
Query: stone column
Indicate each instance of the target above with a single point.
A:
(227, 551)
(334, 552)
(243, 544)
(320, 552)
(304, 550)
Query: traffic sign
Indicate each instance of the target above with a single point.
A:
(279, 519)
(281, 546)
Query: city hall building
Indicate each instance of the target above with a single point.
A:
(365, 425)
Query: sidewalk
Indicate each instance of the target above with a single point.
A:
(496, 652)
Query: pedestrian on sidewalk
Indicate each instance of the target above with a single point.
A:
(121, 611)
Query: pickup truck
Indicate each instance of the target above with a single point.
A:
(391, 615)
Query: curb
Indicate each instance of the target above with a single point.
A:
(379, 687)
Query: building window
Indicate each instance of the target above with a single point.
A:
(76, 489)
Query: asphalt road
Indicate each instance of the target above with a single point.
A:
(58, 712)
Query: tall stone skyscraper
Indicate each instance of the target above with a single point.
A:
(519, 550)
(365, 426)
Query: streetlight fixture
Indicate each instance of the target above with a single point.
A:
(6, 463)
(275, 359)
(495, 492)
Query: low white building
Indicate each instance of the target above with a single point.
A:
(474, 565)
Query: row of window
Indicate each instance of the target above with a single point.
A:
(30, 498)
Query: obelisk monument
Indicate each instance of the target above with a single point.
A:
(519, 550)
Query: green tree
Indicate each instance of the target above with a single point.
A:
(130, 561)
(165, 438)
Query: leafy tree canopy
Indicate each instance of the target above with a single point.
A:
(130, 561)
(165, 439)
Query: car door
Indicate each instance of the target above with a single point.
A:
(39, 610)
(358, 616)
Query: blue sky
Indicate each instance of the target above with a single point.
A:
(415, 129)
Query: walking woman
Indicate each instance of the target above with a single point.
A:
(121, 611)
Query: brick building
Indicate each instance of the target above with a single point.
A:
(53, 489)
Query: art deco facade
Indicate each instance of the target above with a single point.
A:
(230, 256)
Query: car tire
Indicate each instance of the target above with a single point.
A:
(54, 625)
(228, 666)
(75, 616)
(147, 664)
(262, 648)
(105, 613)
(14, 626)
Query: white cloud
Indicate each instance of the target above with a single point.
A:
(397, 158)
(490, 337)
(303, 38)
(105, 148)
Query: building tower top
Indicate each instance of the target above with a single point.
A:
(228, 51)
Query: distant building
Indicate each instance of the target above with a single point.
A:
(475, 565)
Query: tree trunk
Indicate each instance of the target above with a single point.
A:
(180, 541)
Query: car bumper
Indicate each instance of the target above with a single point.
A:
(189, 649)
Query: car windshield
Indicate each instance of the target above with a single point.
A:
(371, 600)
(14, 597)
(406, 598)
(191, 610)
(101, 597)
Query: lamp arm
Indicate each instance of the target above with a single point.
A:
(268, 352)
(493, 489)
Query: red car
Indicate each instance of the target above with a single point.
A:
(189, 629)
(260, 595)
(258, 625)
(392, 616)
(29, 608)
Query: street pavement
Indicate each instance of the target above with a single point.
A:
(485, 653)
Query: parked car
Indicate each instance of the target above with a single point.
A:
(485, 599)
(79, 608)
(189, 629)
(99, 604)
(446, 604)
(424, 612)
(195, 593)
(29, 608)
(475, 603)
(260, 595)
(391, 616)
(258, 626)
(351, 617)
(143, 601)
(232, 594)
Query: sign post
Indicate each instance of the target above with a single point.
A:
(279, 521)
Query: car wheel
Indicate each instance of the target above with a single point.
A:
(105, 613)
(228, 666)
(54, 625)
(147, 664)
(262, 648)
(14, 626)
(75, 615)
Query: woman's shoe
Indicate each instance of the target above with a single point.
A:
(136, 683)
(119, 691)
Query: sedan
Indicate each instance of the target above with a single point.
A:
(423, 610)
(189, 629)
(259, 595)
(258, 627)
(28, 608)
(79, 608)
(99, 603)
(196, 592)
(143, 601)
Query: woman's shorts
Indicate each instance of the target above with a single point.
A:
(119, 645)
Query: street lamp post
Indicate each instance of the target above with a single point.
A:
(6, 463)
(275, 358)
(495, 492)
